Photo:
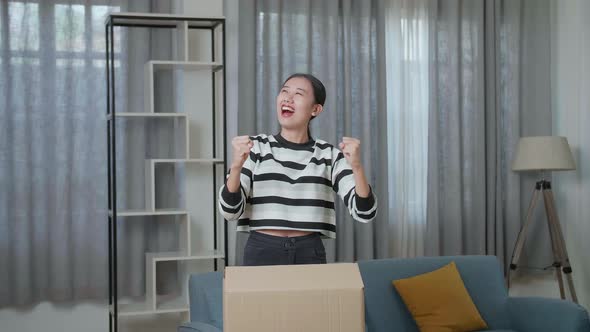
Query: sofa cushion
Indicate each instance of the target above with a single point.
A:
(384, 307)
(439, 301)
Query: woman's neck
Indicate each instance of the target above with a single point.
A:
(295, 136)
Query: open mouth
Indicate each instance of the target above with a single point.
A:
(287, 111)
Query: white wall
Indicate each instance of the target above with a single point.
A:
(570, 66)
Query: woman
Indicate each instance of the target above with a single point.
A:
(280, 187)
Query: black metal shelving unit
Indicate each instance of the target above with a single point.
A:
(157, 21)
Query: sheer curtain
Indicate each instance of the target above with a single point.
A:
(465, 80)
(406, 51)
(53, 157)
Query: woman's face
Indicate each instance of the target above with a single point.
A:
(296, 103)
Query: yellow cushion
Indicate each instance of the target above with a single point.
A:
(439, 301)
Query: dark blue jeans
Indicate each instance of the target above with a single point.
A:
(264, 249)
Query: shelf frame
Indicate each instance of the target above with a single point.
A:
(184, 24)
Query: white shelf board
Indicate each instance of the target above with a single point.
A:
(177, 304)
(191, 160)
(185, 65)
(134, 309)
(142, 213)
(180, 256)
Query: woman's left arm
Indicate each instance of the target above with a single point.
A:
(349, 176)
(351, 148)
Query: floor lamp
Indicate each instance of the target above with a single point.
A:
(545, 154)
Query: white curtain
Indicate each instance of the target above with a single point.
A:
(465, 79)
(406, 51)
(53, 154)
(52, 150)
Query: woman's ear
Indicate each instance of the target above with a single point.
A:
(317, 110)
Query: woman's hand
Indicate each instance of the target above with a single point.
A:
(241, 151)
(241, 146)
(351, 148)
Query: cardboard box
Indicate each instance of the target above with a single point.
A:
(285, 298)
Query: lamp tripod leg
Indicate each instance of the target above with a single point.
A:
(555, 248)
(560, 242)
(522, 234)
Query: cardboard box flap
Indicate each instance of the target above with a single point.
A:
(293, 278)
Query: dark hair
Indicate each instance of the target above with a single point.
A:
(319, 91)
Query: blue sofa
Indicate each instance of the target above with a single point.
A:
(385, 311)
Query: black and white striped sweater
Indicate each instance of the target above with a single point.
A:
(285, 185)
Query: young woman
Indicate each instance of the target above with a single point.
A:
(281, 187)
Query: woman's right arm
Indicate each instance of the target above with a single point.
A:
(232, 197)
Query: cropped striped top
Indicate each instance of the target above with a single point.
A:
(291, 186)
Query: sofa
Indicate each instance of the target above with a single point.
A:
(385, 310)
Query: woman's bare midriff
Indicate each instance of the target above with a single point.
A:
(283, 232)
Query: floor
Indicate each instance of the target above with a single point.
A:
(535, 283)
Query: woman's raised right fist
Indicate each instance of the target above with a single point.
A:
(241, 146)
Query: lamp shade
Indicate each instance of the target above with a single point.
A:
(543, 153)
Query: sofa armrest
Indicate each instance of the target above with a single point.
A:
(206, 298)
(198, 327)
(544, 314)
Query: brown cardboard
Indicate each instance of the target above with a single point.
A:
(289, 298)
